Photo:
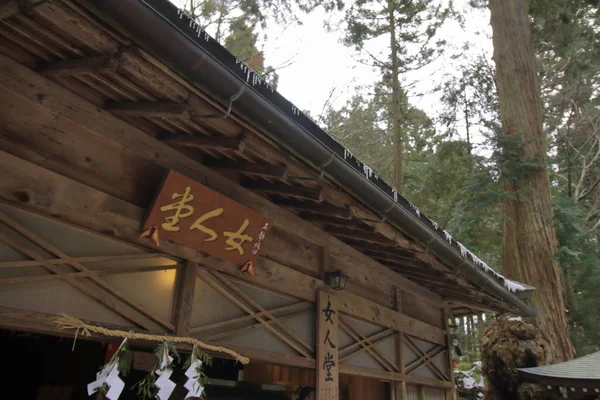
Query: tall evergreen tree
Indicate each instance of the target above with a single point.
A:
(530, 240)
(410, 27)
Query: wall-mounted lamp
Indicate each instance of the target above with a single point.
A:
(336, 280)
(456, 344)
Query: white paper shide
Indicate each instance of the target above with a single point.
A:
(193, 385)
(163, 383)
(109, 375)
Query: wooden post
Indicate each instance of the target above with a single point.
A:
(446, 314)
(400, 387)
(327, 347)
(325, 261)
(184, 298)
(422, 393)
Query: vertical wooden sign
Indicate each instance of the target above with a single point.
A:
(327, 346)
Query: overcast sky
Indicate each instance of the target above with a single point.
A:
(316, 62)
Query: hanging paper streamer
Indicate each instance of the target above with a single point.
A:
(109, 375)
(193, 385)
(163, 383)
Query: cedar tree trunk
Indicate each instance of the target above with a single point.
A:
(529, 234)
(397, 134)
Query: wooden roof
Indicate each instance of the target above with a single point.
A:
(586, 369)
(77, 50)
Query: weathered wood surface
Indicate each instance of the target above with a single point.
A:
(328, 364)
(184, 298)
(48, 193)
(145, 158)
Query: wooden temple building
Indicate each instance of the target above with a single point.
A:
(123, 116)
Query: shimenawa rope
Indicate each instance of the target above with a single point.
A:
(64, 321)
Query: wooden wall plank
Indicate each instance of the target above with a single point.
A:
(22, 82)
(48, 193)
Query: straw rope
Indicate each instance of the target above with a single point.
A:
(64, 321)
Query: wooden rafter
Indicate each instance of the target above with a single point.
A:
(203, 142)
(336, 221)
(368, 346)
(248, 168)
(8, 8)
(149, 109)
(382, 250)
(79, 66)
(362, 236)
(321, 209)
(74, 264)
(297, 191)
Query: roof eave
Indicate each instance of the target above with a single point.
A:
(163, 30)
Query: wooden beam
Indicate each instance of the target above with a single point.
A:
(400, 387)
(203, 142)
(29, 185)
(25, 84)
(149, 109)
(224, 280)
(79, 66)
(375, 338)
(8, 8)
(383, 250)
(393, 376)
(424, 355)
(31, 236)
(367, 345)
(321, 209)
(78, 275)
(184, 298)
(336, 221)
(248, 168)
(244, 318)
(297, 191)
(426, 360)
(20, 81)
(101, 297)
(58, 261)
(356, 235)
(32, 321)
(214, 283)
(230, 332)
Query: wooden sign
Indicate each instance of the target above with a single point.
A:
(327, 347)
(189, 213)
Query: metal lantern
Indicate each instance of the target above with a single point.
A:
(336, 280)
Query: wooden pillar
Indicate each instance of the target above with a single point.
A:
(400, 387)
(447, 314)
(327, 347)
(184, 298)
(421, 393)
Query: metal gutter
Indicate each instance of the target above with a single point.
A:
(159, 27)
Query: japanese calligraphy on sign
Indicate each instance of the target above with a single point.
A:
(189, 213)
(327, 347)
